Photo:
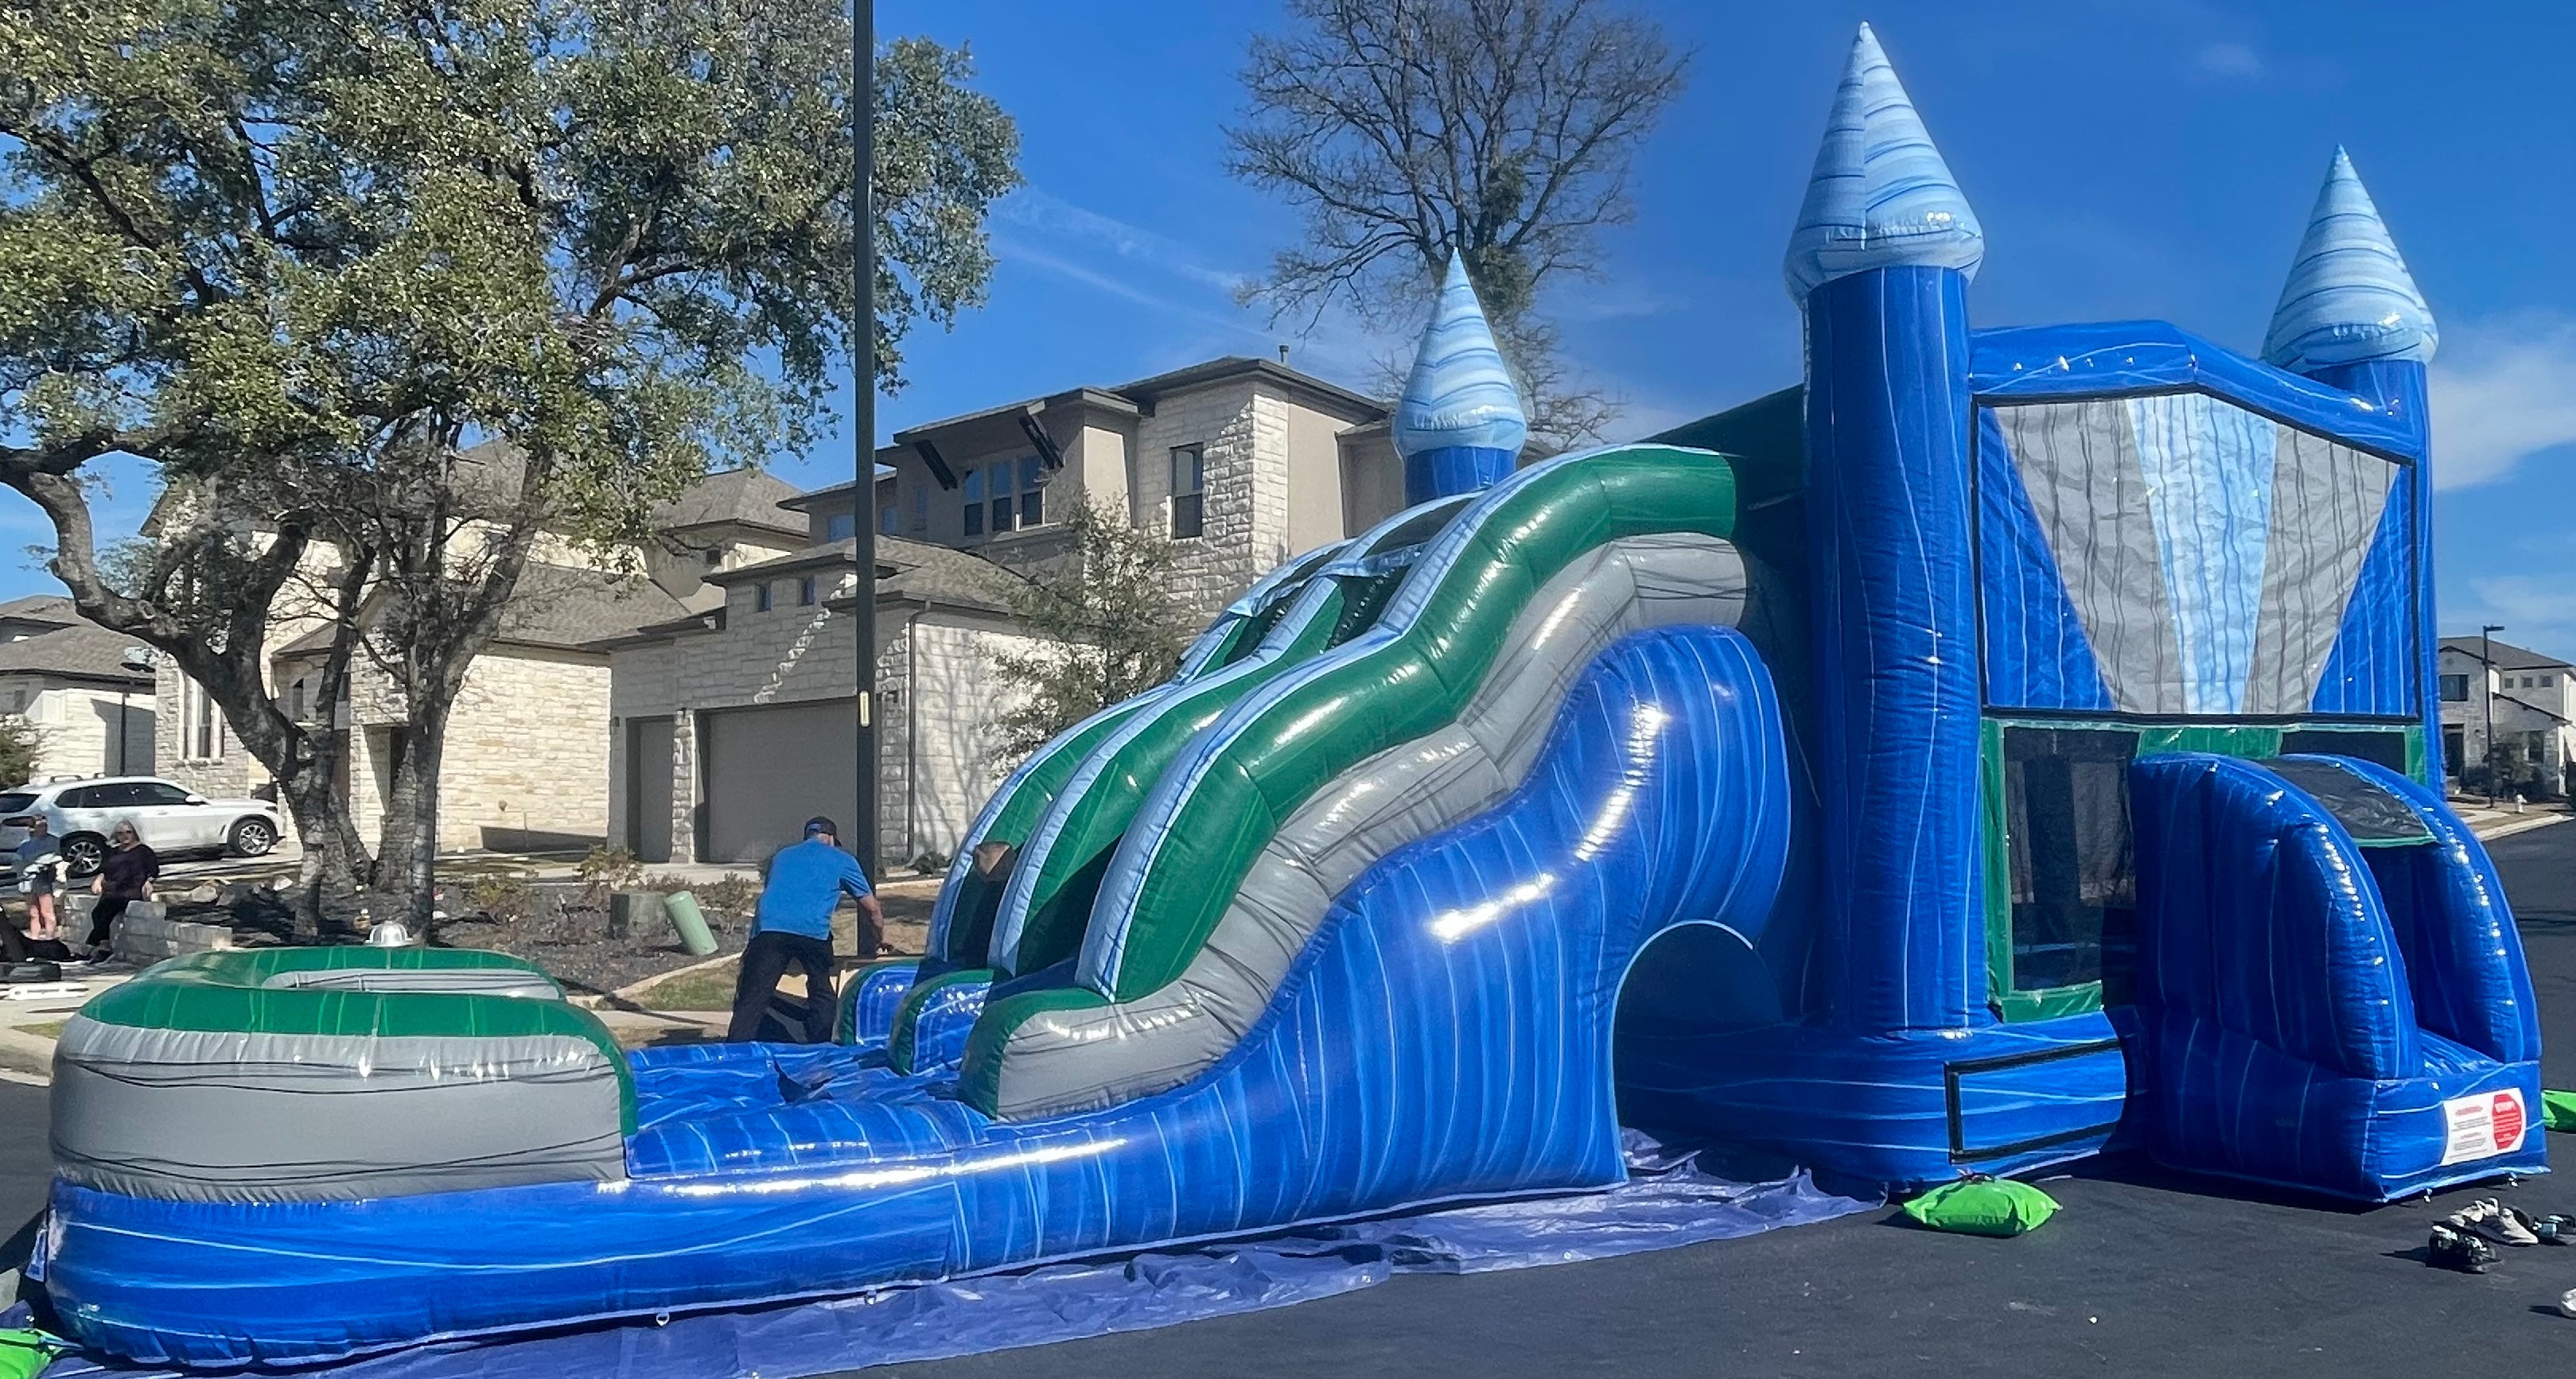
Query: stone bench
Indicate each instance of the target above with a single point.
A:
(146, 932)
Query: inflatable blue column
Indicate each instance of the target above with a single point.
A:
(2350, 317)
(1881, 259)
(1459, 425)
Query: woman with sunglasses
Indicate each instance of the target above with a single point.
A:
(126, 877)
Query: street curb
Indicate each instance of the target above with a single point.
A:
(27, 1054)
(2507, 830)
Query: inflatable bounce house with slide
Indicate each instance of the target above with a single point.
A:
(2007, 745)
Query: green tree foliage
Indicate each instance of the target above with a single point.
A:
(1500, 129)
(1109, 623)
(299, 255)
(21, 742)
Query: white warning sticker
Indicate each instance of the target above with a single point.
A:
(2486, 1124)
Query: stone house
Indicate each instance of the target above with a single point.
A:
(2531, 697)
(736, 722)
(76, 683)
(526, 765)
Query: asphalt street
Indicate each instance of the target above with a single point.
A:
(2142, 1273)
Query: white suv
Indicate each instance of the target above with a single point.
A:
(170, 819)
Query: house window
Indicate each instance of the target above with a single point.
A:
(17, 701)
(1189, 495)
(888, 518)
(2074, 877)
(805, 592)
(920, 510)
(715, 556)
(840, 526)
(1032, 492)
(972, 487)
(760, 597)
(2546, 680)
(295, 700)
(2455, 689)
(202, 726)
(1001, 500)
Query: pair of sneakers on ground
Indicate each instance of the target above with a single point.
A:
(2466, 1240)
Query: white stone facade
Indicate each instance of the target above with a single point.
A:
(939, 702)
(76, 726)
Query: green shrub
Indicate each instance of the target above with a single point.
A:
(605, 869)
(932, 863)
(505, 896)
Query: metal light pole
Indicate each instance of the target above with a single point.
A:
(863, 386)
(137, 659)
(2486, 691)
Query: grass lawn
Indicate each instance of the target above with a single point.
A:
(50, 1029)
(706, 988)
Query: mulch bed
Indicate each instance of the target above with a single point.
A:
(570, 937)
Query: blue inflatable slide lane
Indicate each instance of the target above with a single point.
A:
(2333, 992)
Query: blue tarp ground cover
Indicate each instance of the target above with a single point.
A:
(1671, 1199)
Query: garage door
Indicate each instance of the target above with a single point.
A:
(768, 770)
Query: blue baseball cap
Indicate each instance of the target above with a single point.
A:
(821, 824)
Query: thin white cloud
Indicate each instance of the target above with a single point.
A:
(1152, 270)
(2229, 59)
(2535, 611)
(2503, 392)
(1059, 221)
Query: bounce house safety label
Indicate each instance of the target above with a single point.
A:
(2488, 1123)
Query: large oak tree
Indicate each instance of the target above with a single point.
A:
(300, 256)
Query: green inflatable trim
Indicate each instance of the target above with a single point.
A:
(844, 1030)
(1060, 896)
(973, 911)
(1983, 1206)
(1055, 762)
(2558, 1110)
(908, 1014)
(220, 993)
(1343, 714)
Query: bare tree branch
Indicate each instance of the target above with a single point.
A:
(1501, 130)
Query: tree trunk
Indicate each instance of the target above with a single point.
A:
(332, 876)
(406, 876)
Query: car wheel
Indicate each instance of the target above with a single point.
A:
(252, 837)
(83, 854)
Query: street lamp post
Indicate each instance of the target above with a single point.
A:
(137, 659)
(2486, 691)
(863, 387)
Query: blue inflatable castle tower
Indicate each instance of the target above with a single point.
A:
(2121, 727)
(1459, 424)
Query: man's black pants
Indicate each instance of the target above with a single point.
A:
(768, 957)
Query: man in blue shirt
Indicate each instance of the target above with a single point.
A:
(794, 929)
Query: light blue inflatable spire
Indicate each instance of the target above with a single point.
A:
(1880, 194)
(2349, 298)
(1459, 425)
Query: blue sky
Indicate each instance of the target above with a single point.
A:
(2147, 159)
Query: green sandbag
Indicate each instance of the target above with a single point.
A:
(1983, 1206)
(2558, 1110)
(24, 1353)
